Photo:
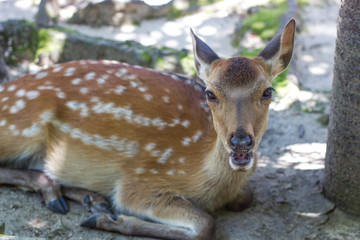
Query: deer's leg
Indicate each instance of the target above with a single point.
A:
(243, 199)
(92, 201)
(174, 219)
(39, 182)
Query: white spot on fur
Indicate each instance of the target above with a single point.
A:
(120, 89)
(1, 88)
(180, 107)
(142, 89)
(150, 146)
(41, 75)
(32, 94)
(60, 95)
(46, 117)
(2, 123)
(128, 148)
(57, 69)
(4, 99)
(148, 97)
(140, 170)
(130, 77)
(5, 107)
(19, 105)
(21, 93)
(13, 129)
(165, 156)
(122, 72)
(94, 99)
(45, 87)
(134, 84)
(197, 136)
(73, 105)
(186, 141)
(90, 76)
(185, 123)
(32, 131)
(101, 80)
(84, 90)
(131, 149)
(182, 160)
(11, 88)
(174, 123)
(182, 172)
(171, 172)
(69, 71)
(76, 81)
(128, 114)
(166, 99)
(154, 171)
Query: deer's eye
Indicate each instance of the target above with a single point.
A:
(210, 95)
(267, 93)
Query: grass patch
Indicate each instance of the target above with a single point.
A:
(265, 23)
(48, 43)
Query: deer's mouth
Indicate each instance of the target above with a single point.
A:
(241, 161)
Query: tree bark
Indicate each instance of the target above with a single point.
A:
(4, 76)
(342, 163)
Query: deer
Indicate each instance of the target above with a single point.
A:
(150, 153)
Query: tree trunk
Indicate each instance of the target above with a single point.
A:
(4, 76)
(342, 163)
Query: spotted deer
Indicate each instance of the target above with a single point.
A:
(163, 149)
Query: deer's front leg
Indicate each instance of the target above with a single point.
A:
(92, 201)
(40, 183)
(243, 199)
(173, 218)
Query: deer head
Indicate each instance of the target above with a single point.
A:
(239, 92)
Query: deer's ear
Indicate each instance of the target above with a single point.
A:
(204, 56)
(277, 54)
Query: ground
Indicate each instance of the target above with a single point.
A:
(288, 203)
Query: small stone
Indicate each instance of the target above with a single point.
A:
(280, 199)
(271, 176)
(288, 186)
(301, 131)
(58, 226)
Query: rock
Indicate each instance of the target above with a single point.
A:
(115, 13)
(22, 40)
(271, 176)
(301, 130)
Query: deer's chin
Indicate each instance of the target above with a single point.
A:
(240, 161)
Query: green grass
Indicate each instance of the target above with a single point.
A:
(47, 43)
(266, 22)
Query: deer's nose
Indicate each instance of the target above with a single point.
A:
(241, 144)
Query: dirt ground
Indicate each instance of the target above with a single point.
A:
(288, 203)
